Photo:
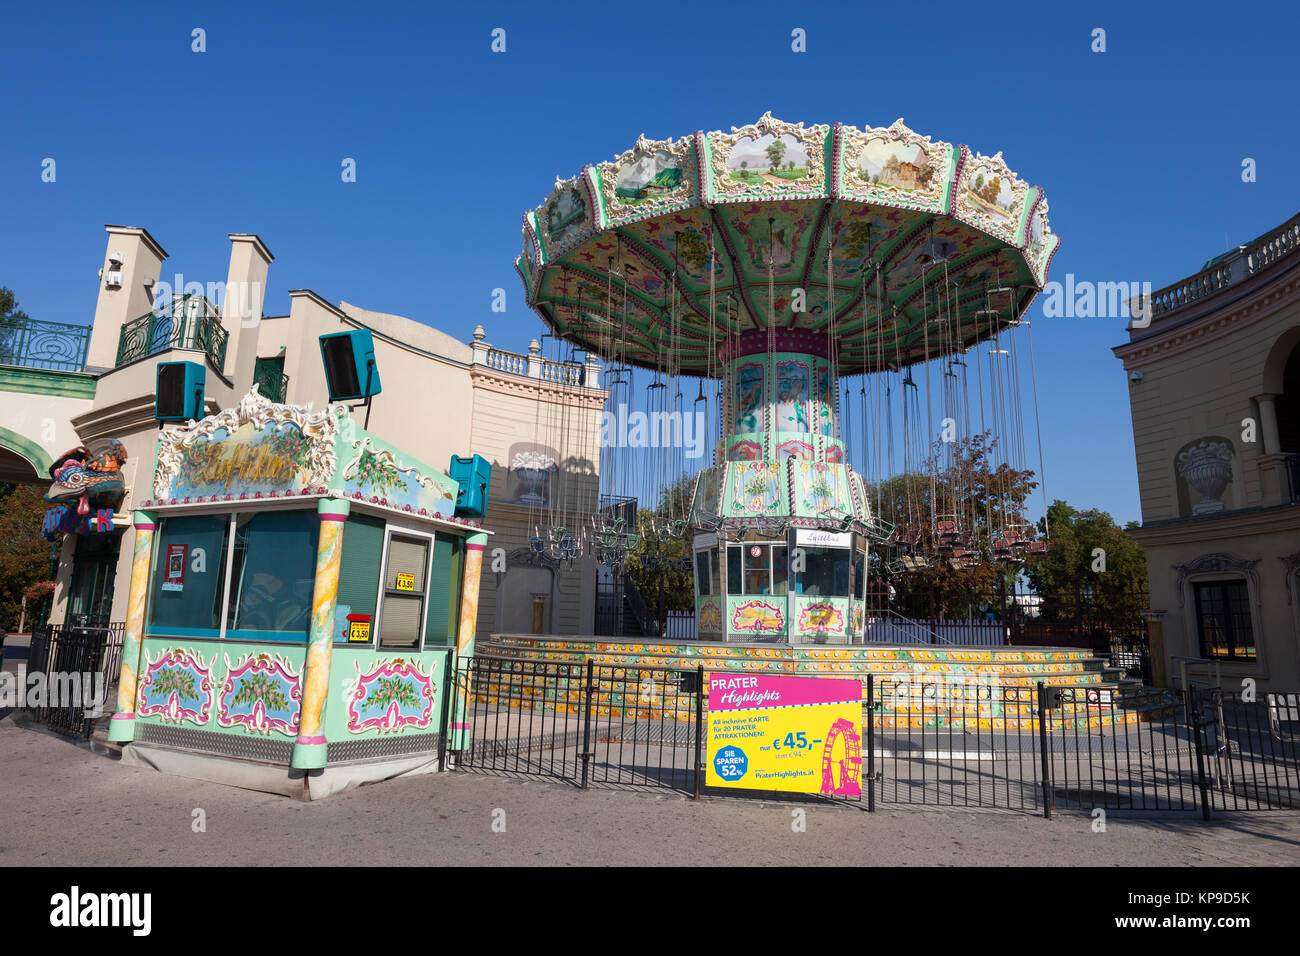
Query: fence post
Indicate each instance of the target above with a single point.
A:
(1194, 728)
(871, 743)
(448, 688)
(586, 725)
(1043, 750)
(699, 726)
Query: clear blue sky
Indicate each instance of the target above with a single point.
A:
(1139, 149)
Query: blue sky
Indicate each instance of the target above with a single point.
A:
(1139, 148)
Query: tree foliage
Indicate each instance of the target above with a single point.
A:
(665, 562)
(24, 554)
(981, 496)
(1091, 560)
(9, 304)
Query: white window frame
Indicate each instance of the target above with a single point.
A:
(403, 531)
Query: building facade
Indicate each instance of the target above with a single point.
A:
(535, 420)
(1214, 388)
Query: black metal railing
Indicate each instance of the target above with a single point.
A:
(271, 382)
(28, 343)
(585, 723)
(1033, 747)
(79, 668)
(188, 322)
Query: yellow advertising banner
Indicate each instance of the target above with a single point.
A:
(792, 734)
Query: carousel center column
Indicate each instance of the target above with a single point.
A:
(121, 729)
(466, 629)
(311, 748)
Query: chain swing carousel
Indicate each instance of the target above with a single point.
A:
(844, 310)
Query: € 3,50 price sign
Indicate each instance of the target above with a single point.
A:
(794, 734)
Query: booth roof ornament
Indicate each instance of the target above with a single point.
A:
(322, 427)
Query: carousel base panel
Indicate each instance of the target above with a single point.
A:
(909, 678)
(274, 778)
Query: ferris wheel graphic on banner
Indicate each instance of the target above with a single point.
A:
(849, 764)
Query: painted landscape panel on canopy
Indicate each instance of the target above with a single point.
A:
(768, 158)
(565, 216)
(895, 166)
(651, 178)
(990, 196)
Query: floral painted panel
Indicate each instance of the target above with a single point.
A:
(177, 686)
(262, 694)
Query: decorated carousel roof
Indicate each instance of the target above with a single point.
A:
(902, 246)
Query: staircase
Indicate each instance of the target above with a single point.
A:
(917, 686)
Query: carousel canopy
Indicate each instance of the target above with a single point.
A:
(896, 246)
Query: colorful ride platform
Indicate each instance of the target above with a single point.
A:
(916, 685)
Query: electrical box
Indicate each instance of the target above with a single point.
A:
(178, 393)
(349, 359)
(474, 475)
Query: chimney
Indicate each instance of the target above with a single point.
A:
(127, 282)
(241, 308)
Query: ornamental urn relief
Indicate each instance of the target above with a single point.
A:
(1207, 467)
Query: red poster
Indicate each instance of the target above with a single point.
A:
(174, 573)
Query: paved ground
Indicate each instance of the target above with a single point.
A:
(61, 804)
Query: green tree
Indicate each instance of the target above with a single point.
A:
(775, 152)
(9, 304)
(661, 566)
(983, 498)
(1092, 560)
(24, 554)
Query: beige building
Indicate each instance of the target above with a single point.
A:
(1214, 386)
(535, 420)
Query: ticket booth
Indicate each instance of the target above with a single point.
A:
(802, 587)
(299, 595)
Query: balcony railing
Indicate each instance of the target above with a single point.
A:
(1231, 268)
(271, 382)
(28, 343)
(534, 366)
(188, 322)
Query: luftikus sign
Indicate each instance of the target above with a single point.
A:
(258, 447)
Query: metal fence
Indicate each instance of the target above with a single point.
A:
(584, 723)
(78, 668)
(1032, 749)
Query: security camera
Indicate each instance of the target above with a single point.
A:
(1135, 376)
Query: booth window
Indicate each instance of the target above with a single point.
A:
(1223, 619)
(404, 592)
(273, 575)
(826, 572)
(189, 576)
(706, 571)
(757, 569)
(363, 554)
(443, 616)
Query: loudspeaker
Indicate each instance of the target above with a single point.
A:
(178, 392)
(349, 359)
(474, 475)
